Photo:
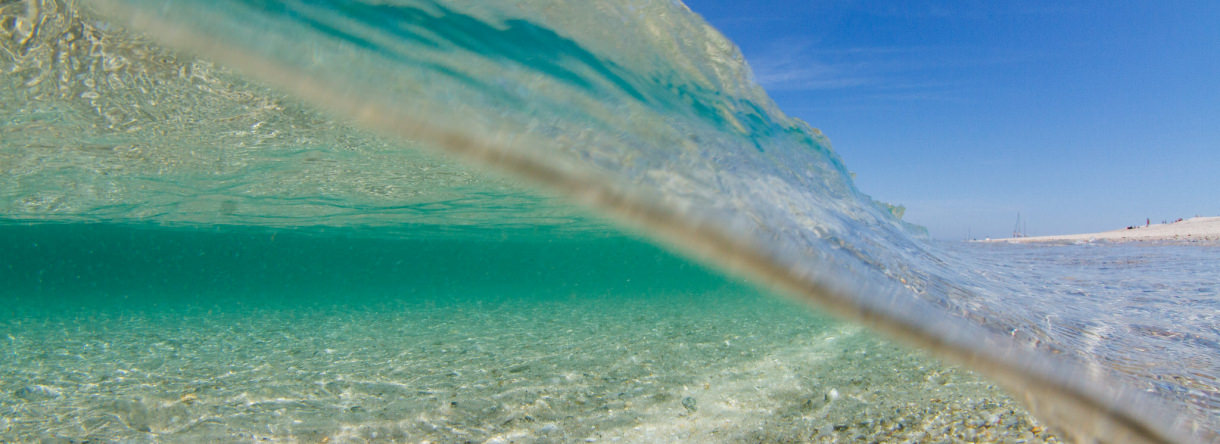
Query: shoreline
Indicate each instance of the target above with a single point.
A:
(1195, 229)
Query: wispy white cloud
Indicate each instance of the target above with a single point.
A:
(876, 73)
(934, 9)
(889, 73)
(792, 65)
(792, 74)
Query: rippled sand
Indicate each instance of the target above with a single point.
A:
(710, 366)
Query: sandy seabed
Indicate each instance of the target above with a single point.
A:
(700, 367)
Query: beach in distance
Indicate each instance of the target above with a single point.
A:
(1195, 229)
(555, 221)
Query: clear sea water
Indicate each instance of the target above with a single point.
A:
(517, 222)
(142, 333)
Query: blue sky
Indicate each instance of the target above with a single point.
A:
(1080, 116)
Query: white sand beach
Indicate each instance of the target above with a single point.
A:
(1197, 229)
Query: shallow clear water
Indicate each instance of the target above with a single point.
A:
(1147, 313)
(199, 197)
(114, 332)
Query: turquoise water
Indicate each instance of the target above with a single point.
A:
(120, 332)
(509, 222)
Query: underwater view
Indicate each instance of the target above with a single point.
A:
(136, 333)
(532, 221)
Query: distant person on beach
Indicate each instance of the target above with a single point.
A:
(1147, 222)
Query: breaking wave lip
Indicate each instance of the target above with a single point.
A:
(661, 127)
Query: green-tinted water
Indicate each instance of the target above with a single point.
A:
(120, 267)
(429, 300)
(118, 332)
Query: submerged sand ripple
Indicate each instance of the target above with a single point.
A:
(698, 367)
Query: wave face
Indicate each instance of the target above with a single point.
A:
(637, 109)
